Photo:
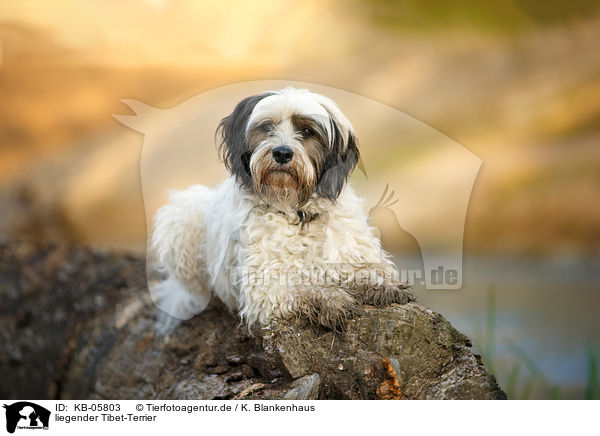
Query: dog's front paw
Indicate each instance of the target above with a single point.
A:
(385, 294)
(331, 308)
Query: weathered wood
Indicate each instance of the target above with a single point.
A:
(77, 323)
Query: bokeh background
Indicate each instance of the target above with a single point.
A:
(515, 82)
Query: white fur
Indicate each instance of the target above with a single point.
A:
(226, 234)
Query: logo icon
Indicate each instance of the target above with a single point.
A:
(26, 415)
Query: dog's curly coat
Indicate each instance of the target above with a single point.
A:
(285, 235)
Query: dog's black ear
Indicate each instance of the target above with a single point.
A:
(341, 160)
(233, 144)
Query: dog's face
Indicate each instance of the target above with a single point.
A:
(286, 145)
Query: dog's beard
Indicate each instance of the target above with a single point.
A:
(287, 185)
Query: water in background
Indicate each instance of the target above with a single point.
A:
(544, 319)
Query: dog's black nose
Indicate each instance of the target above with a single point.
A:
(282, 154)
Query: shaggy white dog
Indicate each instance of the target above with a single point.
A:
(286, 235)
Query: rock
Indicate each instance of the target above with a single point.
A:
(86, 314)
(305, 388)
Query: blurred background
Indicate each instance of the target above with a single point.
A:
(515, 82)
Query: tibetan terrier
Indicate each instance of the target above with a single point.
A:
(285, 236)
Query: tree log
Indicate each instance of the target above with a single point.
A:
(77, 323)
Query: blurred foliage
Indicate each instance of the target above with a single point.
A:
(495, 15)
(592, 391)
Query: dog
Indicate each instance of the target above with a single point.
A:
(285, 236)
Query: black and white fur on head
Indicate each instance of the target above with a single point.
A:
(286, 146)
(287, 217)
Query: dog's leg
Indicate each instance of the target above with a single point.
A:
(384, 294)
(178, 242)
(354, 251)
(329, 306)
(379, 285)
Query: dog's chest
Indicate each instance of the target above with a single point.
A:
(271, 237)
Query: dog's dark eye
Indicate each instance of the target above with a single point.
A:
(307, 132)
(266, 127)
